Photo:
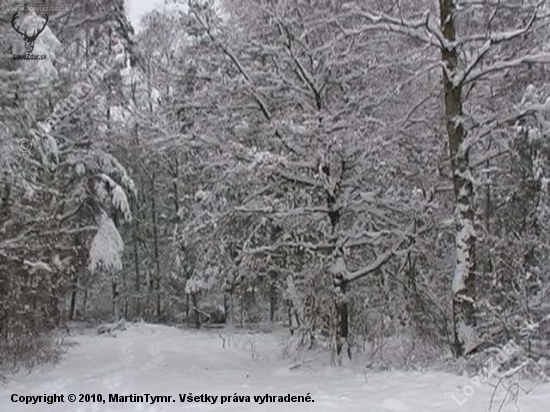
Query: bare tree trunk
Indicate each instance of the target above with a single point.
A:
(135, 238)
(273, 296)
(338, 272)
(342, 325)
(188, 310)
(73, 297)
(465, 239)
(137, 276)
(156, 245)
(196, 310)
(228, 307)
(289, 312)
(115, 301)
(175, 188)
(109, 85)
(84, 304)
(241, 311)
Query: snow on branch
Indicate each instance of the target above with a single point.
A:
(407, 239)
(501, 4)
(254, 93)
(422, 29)
(496, 122)
(120, 202)
(37, 265)
(498, 37)
(297, 178)
(461, 76)
(22, 240)
(539, 58)
(296, 245)
(117, 196)
(284, 213)
(377, 264)
(107, 246)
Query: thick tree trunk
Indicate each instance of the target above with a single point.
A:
(342, 326)
(465, 247)
(338, 271)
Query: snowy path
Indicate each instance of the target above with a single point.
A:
(158, 360)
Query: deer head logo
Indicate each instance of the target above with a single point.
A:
(29, 40)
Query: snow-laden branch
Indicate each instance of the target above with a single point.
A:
(292, 177)
(490, 40)
(374, 266)
(497, 37)
(256, 96)
(461, 76)
(107, 246)
(422, 29)
(284, 213)
(539, 58)
(402, 245)
(37, 265)
(302, 72)
(326, 246)
(513, 5)
(496, 122)
(23, 239)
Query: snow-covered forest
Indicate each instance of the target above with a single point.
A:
(366, 181)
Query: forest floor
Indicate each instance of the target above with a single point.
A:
(165, 361)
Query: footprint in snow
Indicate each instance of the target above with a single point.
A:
(89, 408)
(54, 386)
(113, 382)
(394, 405)
(129, 357)
(155, 359)
(139, 407)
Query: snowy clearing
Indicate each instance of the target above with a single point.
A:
(159, 360)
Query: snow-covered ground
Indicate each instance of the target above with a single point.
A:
(159, 360)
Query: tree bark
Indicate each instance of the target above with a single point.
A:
(342, 326)
(84, 304)
(196, 310)
(465, 239)
(137, 276)
(135, 239)
(115, 301)
(74, 283)
(156, 245)
(273, 301)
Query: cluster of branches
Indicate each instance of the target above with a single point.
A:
(63, 193)
(374, 141)
(357, 170)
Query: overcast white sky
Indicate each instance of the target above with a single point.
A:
(137, 8)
